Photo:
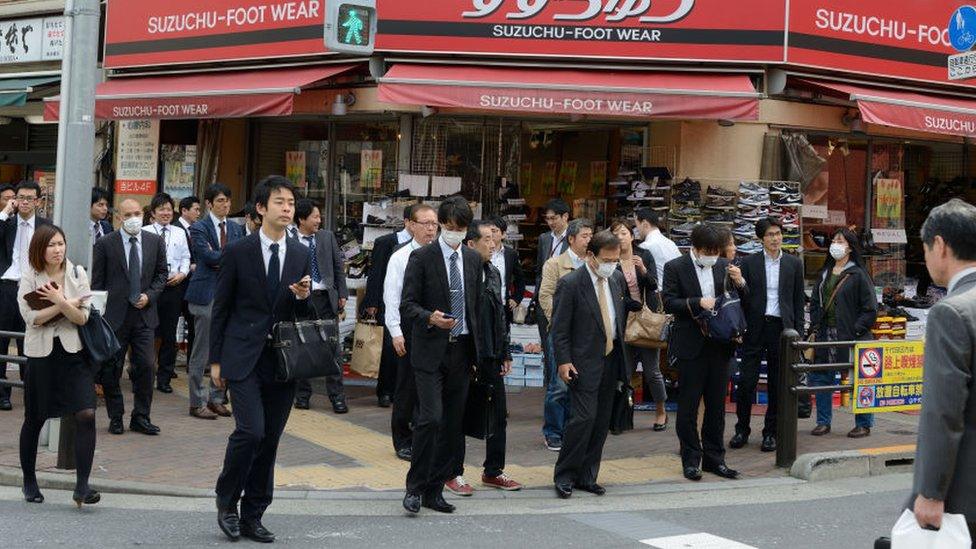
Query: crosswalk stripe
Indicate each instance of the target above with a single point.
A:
(695, 541)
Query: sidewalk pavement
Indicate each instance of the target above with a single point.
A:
(324, 451)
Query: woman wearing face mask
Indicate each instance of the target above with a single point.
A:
(639, 270)
(843, 308)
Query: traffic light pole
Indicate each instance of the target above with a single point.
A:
(76, 149)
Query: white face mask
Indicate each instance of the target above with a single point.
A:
(837, 251)
(132, 225)
(453, 238)
(605, 270)
(708, 261)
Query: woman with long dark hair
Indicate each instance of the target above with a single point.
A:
(843, 308)
(58, 382)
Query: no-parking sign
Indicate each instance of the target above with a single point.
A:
(888, 376)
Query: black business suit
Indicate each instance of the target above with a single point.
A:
(764, 332)
(383, 248)
(245, 309)
(703, 364)
(10, 319)
(545, 252)
(441, 367)
(579, 338)
(514, 283)
(135, 328)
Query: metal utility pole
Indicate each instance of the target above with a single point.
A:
(76, 151)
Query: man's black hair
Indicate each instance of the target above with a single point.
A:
(249, 210)
(29, 185)
(97, 195)
(649, 215)
(955, 222)
(763, 225)
(10, 187)
(474, 230)
(499, 222)
(188, 202)
(557, 206)
(267, 186)
(303, 209)
(707, 238)
(455, 210)
(215, 190)
(159, 200)
(602, 241)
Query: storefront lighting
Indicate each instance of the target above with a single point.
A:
(427, 111)
(852, 119)
(726, 123)
(342, 103)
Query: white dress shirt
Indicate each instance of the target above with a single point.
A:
(448, 251)
(772, 283)
(266, 243)
(393, 287)
(126, 245)
(705, 277)
(577, 260)
(216, 223)
(308, 240)
(498, 260)
(663, 249)
(25, 231)
(557, 241)
(177, 248)
(403, 237)
(609, 298)
(959, 276)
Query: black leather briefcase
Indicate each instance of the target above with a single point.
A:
(306, 349)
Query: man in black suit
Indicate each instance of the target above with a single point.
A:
(99, 214)
(440, 300)
(372, 306)
(691, 284)
(551, 244)
(329, 292)
(773, 297)
(17, 224)
(263, 278)
(131, 266)
(506, 260)
(588, 323)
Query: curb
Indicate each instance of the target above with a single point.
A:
(854, 463)
(10, 476)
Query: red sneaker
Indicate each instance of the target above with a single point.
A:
(502, 482)
(459, 486)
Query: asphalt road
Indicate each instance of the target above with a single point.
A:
(769, 513)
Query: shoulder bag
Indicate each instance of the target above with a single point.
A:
(647, 328)
(99, 344)
(810, 354)
(306, 349)
(726, 322)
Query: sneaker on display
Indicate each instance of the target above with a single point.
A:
(780, 189)
(751, 188)
(684, 228)
(749, 248)
(754, 200)
(718, 191)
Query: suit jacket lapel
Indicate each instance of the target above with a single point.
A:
(148, 263)
(718, 274)
(618, 305)
(693, 271)
(441, 270)
(257, 259)
(589, 295)
(784, 277)
(965, 284)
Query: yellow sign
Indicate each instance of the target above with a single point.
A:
(889, 199)
(888, 376)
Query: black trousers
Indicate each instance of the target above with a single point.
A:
(261, 409)
(438, 435)
(495, 445)
(10, 321)
(386, 382)
(333, 384)
(707, 376)
(588, 426)
(404, 411)
(543, 326)
(752, 353)
(169, 307)
(136, 338)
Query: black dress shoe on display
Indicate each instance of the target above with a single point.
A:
(255, 531)
(384, 401)
(768, 444)
(437, 503)
(594, 488)
(339, 405)
(406, 454)
(229, 523)
(142, 425)
(722, 470)
(115, 426)
(693, 473)
(564, 491)
(739, 440)
(411, 502)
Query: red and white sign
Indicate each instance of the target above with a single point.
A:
(904, 40)
(137, 157)
(197, 31)
(565, 91)
(701, 30)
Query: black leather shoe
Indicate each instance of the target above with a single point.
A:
(339, 405)
(229, 523)
(594, 489)
(164, 388)
(768, 444)
(406, 454)
(5, 404)
(411, 502)
(115, 426)
(255, 531)
(693, 473)
(564, 491)
(142, 425)
(739, 440)
(384, 401)
(722, 470)
(437, 503)
(301, 404)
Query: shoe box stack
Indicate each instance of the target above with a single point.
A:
(759, 200)
(686, 211)
(526, 371)
(633, 191)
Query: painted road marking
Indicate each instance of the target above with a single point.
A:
(695, 541)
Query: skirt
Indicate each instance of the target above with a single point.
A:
(57, 385)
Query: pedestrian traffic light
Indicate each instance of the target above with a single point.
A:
(350, 26)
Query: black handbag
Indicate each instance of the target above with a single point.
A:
(479, 411)
(306, 349)
(99, 344)
(726, 322)
(622, 415)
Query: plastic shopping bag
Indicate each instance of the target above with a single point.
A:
(907, 534)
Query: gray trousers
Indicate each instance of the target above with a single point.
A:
(202, 394)
(653, 381)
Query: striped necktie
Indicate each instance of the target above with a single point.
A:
(457, 296)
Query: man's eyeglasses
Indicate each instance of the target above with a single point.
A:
(26, 198)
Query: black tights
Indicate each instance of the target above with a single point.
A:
(84, 450)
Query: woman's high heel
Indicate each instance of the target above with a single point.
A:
(89, 498)
(33, 496)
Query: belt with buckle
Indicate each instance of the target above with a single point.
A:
(770, 318)
(458, 339)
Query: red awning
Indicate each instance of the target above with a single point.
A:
(904, 109)
(231, 94)
(572, 91)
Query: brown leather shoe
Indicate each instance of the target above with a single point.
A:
(859, 432)
(202, 413)
(219, 409)
(820, 430)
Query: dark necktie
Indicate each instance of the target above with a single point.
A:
(223, 234)
(316, 275)
(135, 271)
(457, 296)
(274, 273)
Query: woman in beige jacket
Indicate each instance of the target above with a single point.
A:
(58, 381)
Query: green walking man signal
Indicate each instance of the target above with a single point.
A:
(350, 21)
(350, 26)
